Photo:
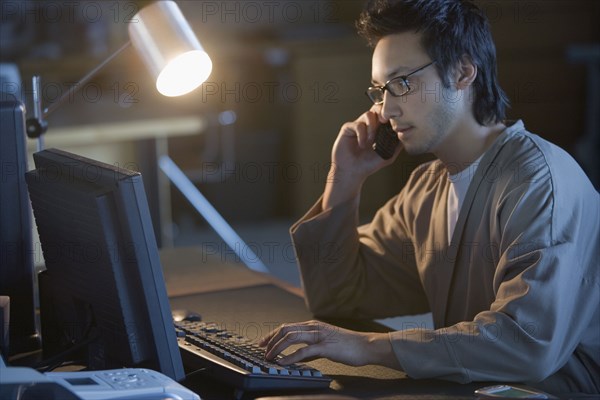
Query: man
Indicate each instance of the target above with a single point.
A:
(498, 237)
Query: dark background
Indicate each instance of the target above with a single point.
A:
(293, 72)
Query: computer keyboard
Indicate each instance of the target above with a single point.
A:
(237, 361)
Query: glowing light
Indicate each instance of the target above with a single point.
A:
(184, 73)
(168, 46)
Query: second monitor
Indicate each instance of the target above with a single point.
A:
(103, 290)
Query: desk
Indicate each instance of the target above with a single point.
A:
(255, 304)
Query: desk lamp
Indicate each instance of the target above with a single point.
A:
(168, 47)
(166, 43)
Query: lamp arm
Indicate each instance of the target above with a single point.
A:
(37, 126)
(75, 88)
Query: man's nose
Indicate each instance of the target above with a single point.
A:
(390, 106)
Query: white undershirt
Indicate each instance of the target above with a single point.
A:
(459, 184)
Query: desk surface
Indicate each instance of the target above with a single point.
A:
(254, 309)
(115, 132)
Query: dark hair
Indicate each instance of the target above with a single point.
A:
(450, 29)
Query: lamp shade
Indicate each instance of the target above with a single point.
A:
(166, 43)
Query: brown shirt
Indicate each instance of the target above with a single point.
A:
(514, 297)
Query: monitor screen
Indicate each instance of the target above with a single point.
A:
(103, 285)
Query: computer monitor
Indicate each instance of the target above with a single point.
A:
(103, 286)
(16, 255)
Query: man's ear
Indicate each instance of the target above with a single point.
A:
(466, 72)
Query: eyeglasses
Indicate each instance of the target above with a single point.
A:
(398, 86)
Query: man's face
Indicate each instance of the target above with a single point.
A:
(424, 117)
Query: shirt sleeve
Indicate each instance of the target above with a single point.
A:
(359, 272)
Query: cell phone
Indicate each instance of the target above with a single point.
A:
(510, 392)
(386, 141)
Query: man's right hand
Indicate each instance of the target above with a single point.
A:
(353, 159)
